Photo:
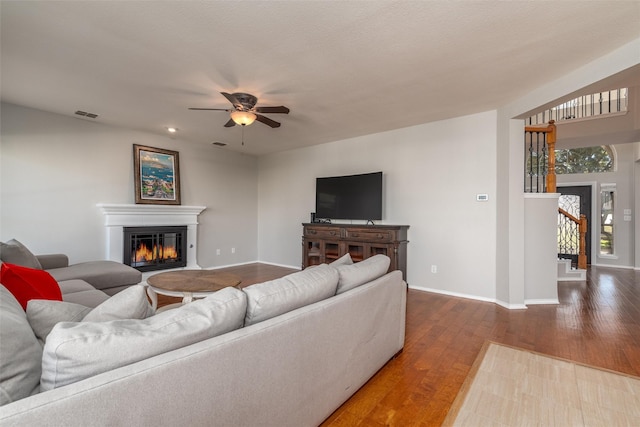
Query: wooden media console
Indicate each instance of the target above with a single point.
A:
(325, 242)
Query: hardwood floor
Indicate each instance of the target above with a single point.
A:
(597, 322)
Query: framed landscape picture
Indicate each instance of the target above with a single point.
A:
(157, 175)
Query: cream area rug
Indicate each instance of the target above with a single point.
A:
(512, 387)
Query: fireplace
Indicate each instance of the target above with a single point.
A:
(121, 216)
(155, 248)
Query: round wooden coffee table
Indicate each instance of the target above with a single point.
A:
(188, 284)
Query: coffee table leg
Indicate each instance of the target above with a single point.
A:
(153, 297)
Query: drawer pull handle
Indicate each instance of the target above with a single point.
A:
(333, 233)
(354, 234)
(312, 231)
(380, 236)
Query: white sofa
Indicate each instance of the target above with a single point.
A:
(293, 369)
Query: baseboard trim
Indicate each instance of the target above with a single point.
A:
(542, 301)
(472, 297)
(623, 267)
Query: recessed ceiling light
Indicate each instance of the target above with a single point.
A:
(172, 130)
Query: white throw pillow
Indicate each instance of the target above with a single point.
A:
(131, 303)
(270, 299)
(75, 351)
(343, 260)
(20, 352)
(357, 274)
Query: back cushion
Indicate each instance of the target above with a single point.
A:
(15, 252)
(20, 352)
(270, 299)
(357, 274)
(75, 351)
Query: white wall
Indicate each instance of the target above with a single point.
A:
(55, 169)
(540, 272)
(432, 174)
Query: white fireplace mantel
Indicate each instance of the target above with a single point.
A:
(118, 216)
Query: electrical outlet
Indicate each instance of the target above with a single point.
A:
(233, 250)
(434, 268)
(217, 251)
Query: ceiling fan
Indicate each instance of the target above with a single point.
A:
(245, 112)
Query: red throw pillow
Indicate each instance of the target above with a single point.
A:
(27, 283)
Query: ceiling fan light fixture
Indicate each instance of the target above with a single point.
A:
(243, 118)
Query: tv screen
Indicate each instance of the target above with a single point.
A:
(350, 197)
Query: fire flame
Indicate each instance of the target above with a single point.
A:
(144, 254)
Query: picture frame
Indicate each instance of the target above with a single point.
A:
(156, 175)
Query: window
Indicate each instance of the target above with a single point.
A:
(607, 205)
(584, 160)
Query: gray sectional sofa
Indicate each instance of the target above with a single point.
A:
(87, 283)
(287, 352)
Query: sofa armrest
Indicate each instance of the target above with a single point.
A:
(50, 261)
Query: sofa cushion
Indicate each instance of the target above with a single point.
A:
(29, 283)
(132, 303)
(99, 274)
(75, 351)
(272, 298)
(362, 272)
(15, 252)
(80, 292)
(20, 352)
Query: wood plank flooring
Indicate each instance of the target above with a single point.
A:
(597, 322)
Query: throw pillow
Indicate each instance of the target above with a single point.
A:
(362, 272)
(75, 351)
(44, 314)
(343, 260)
(20, 352)
(270, 299)
(131, 303)
(15, 252)
(28, 283)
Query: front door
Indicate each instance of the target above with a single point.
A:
(577, 201)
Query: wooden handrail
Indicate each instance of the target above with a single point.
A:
(550, 130)
(582, 229)
(568, 215)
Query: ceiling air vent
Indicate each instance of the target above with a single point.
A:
(85, 114)
(219, 144)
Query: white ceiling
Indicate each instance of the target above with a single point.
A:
(344, 68)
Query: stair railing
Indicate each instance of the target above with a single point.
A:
(572, 236)
(540, 159)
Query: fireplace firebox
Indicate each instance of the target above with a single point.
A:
(155, 248)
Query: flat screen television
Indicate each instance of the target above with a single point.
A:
(350, 197)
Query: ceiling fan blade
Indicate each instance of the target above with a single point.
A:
(231, 98)
(267, 121)
(230, 124)
(273, 110)
(211, 109)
